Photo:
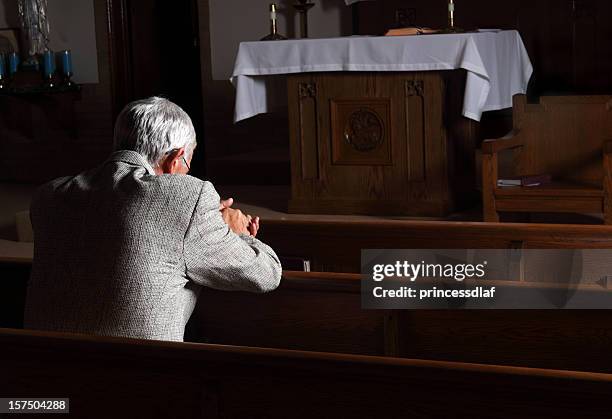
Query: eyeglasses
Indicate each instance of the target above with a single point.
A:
(186, 164)
(183, 157)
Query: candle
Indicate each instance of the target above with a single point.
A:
(67, 62)
(273, 29)
(273, 11)
(451, 13)
(2, 66)
(48, 63)
(13, 63)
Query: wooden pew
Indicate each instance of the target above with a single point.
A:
(322, 312)
(335, 246)
(115, 377)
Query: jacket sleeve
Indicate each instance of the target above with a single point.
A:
(218, 258)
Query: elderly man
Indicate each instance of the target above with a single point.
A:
(124, 249)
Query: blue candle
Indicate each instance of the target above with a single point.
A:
(67, 62)
(13, 63)
(48, 63)
(2, 66)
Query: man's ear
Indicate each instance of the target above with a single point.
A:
(173, 161)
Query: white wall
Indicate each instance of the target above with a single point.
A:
(233, 21)
(72, 26)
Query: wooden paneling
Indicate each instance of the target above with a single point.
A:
(415, 127)
(309, 128)
(385, 142)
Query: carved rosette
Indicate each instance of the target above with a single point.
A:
(364, 130)
(307, 90)
(415, 88)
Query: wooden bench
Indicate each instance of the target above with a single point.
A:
(567, 137)
(322, 312)
(116, 377)
(335, 246)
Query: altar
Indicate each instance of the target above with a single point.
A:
(382, 125)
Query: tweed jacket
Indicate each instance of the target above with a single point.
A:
(121, 251)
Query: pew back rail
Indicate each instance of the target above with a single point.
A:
(106, 377)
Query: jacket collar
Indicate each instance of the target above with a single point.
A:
(131, 157)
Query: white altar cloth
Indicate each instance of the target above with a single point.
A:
(497, 65)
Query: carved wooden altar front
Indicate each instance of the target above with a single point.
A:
(380, 143)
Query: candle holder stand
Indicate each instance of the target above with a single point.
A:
(303, 7)
(67, 80)
(48, 81)
(451, 19)
(274, 35)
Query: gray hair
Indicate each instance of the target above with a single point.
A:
(153, 127)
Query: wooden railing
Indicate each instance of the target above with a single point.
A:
(116, 377)
(335, 246)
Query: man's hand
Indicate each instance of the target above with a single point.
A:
(235, 219)
(254, 226)
(226, 203)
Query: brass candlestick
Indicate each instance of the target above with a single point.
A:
(451, 18)
(303, 7)
(274, 35)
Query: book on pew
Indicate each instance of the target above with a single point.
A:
(293, 263)
(527, 180)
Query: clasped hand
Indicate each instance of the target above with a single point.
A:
(236, 220)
